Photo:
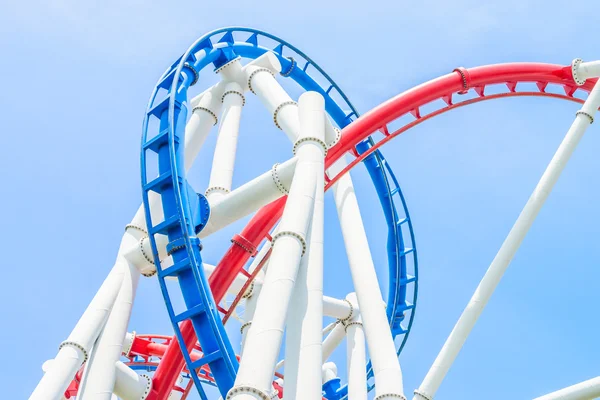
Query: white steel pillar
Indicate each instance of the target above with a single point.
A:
(356, 356)
(263, 340)
(249, 197)
(305, 317)
(262, 82)
(129, 385)
(221, 173)
(586, 390)
(333, 340)
(386, 367)
(511, 244)
(76, 349)
(100, 372)
(252, 296)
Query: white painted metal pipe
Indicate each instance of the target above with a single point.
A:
(329, 372)
(202, 119)
(586, 390)
(252, 299)
(129, 385)
(511, 244)
(250, 197)
(100, 381)
(75, 350)
(336, 308)
(386, 367)
(265, 335)
(221, 174)
(305, 319)
(329, 344)
(333, 340)
(281, 106)
(356, 357)
(585, 70)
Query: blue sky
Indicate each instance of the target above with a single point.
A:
(77, 76)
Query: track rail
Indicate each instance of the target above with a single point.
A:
(445, 88)
(180, 223)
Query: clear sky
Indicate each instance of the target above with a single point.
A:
(76, 80)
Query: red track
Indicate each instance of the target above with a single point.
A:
(460, 81)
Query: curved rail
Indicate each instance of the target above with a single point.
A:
(459, 82)
(180, 224)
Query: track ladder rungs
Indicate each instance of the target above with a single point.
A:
(161, 107)
(405, 307)
(167, 81)
(206, 359)
(402, 221)
(246, 273)
(192, 312)
(399, 329)
(164, 226)
(157, 184)
(158, 141)
(176, 268)
(407, 280)
(407, 251)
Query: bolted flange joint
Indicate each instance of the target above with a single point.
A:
(579, 80)
(277, 181)
(257, 393)
(293, 234)
(75, 345)
(390, 395)
(422, 395)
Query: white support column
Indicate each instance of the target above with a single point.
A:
(339, 309)
(252, 297)
(101, 374)
(305, 318)
(75, 350)
(279, 104)
(582, 71)
(511, 244)
(586, 390)
(221, 173)
(265, 335)
(356, 357)
(333, 340)
(250, 197)
(386, 367)
(129, 385)
(202, 119)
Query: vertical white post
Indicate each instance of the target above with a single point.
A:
(101, 373)
(252, 298)
(356, 357)
(263, 340)
(511, 244)
(386, 367)
(586, 390)
(75, 350)
(204, 116)
(305, 318)
(221, 173)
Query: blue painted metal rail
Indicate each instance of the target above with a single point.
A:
(185, 211)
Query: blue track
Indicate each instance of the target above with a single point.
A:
(186, 212)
